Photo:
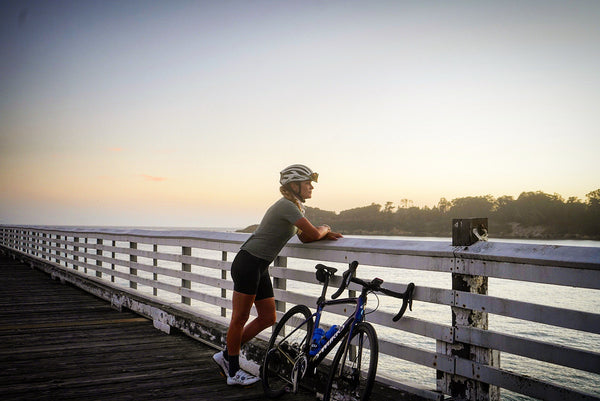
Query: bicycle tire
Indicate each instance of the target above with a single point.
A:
(283, 350)
(354, 383)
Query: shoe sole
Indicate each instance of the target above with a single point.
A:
(243, 385)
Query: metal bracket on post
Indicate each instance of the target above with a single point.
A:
(466, 232)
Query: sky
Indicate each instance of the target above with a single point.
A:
(182, 113)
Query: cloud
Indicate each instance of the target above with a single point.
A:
(115, 149)
(153, 178)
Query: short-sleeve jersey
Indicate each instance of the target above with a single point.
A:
(274, 231)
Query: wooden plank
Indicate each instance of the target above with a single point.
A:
(52, 351)
(561, 317)
(557, 354)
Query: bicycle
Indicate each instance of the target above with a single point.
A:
(294, 349)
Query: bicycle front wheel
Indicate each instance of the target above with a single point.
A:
(354, 367)
(290, 338)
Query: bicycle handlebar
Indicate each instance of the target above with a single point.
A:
(375, 285)
(346, 277)
(407, 298)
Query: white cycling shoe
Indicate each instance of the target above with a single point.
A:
(242, 378)
(223, 363)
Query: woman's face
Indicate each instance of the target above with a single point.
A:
(306, 188)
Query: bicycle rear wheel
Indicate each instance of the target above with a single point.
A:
(290, 338)
(353, 369)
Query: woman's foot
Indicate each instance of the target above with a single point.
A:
(223, 363)
(242, 378)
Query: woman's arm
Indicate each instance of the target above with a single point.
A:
(310, 233)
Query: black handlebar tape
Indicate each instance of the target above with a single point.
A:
(346, 277)
(406, 301)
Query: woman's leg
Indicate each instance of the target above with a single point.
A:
(267, 317)
(242, 303)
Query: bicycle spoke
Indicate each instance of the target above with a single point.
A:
(288, 341)
(353, 370)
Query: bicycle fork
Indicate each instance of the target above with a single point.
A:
(348, 347)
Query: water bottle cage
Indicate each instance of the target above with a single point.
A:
(320, 338)
(315, 345)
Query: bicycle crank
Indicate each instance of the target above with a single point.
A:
(298, 371)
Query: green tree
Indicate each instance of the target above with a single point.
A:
(473, 206)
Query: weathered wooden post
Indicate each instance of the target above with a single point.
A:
(132, 259)
(224, 277)
(75, 250)
(44, 246)
(112, 265)
(280, 283)
(56, 246)
(186, 267)
(85, 250)
(99, 253)
(466, 232)
(155, 264)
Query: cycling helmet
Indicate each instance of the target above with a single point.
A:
(296, 173)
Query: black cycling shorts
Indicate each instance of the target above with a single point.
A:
(251, 276)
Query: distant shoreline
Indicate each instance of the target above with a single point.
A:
(531, 234)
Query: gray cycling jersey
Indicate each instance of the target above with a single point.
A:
(274, 231)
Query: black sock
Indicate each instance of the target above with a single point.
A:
(225, 354)
(234, 364)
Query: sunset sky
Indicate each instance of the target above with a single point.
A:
(182, 113)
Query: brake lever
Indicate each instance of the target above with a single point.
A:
(406, 301)
(346, 277)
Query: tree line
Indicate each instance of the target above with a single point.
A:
(531, 215)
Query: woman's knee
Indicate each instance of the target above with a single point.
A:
(242, 304)
(239, 318)
(268, 318)
(266, 311)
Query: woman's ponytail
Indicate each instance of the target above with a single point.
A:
(287, 194)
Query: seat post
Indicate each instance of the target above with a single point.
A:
(324, 290)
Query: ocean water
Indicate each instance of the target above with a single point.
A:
(565, 297)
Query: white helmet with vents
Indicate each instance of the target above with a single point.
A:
(297, 173)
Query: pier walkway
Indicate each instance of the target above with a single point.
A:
(58, 342)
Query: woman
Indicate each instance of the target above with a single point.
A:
(249, 270)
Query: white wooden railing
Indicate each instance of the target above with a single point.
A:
(188, 270)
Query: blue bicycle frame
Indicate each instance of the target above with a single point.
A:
(347, 327)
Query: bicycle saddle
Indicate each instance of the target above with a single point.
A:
(324, 271)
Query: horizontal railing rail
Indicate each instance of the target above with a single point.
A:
(190, 268)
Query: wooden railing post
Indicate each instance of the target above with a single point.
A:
(58, 248)
(155, 264)
(98, 253)
(186, 267)
(54, 244)
(85, 241)
(112, 265)
(37, 243)
(132, 271)
(44, 246)
(224, 277)
(75, 250)
(466, 232)
(280, 283)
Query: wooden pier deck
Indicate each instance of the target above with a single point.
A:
(60, 343)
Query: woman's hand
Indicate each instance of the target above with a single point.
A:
(310, 233)
(333, 236)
